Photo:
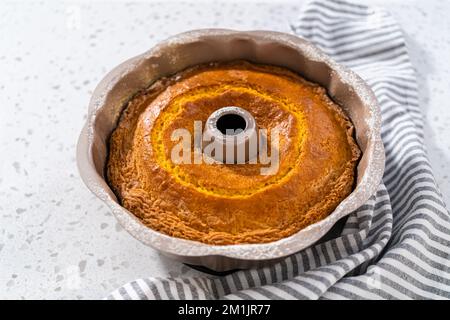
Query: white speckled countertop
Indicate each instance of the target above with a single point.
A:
(56, 239)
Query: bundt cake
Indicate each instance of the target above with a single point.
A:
(218, 203)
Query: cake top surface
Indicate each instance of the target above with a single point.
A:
(220, 203)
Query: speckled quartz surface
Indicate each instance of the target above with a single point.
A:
(56, 239)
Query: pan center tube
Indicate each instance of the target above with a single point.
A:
(233, 132)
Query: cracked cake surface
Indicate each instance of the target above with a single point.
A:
(232, 203)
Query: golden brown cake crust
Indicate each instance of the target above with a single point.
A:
(231, 204)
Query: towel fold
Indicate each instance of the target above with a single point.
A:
(397, 245)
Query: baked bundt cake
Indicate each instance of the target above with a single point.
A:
(232, 203)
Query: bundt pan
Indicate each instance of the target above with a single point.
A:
(207, 45)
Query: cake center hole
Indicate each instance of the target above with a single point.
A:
(231, 122)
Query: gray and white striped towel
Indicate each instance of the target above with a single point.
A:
(396, 246)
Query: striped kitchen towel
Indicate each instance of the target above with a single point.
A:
(396, 246)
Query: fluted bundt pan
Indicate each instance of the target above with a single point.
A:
(213, 45)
